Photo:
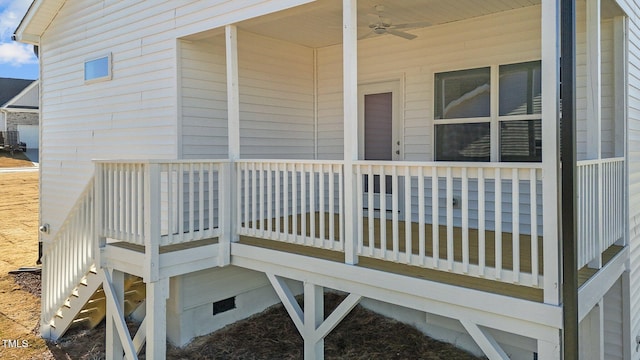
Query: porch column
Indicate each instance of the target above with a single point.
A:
(594, 110)
(350, 85)
(229, 202)
(550, 156)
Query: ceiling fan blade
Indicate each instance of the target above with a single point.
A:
(412, 25)
(402, 34)
(367, 35)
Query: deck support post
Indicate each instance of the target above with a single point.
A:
(115, 323)
(311, 323)
(549, 350)
(113, 345)
(313, 316)
(152, 220)
(350, 88)
(156, 319)
(485, 341)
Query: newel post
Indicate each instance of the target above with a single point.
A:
(151, 222)
(227, 211)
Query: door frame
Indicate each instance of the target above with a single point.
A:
(394, 86)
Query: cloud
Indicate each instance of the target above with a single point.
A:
(11, 12)
(16, 54)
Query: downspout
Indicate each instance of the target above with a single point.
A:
(568, 183)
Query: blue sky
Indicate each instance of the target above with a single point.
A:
(17, 60)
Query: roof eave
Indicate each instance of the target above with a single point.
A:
(36, 21)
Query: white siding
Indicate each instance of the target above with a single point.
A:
(134, 114)
(276, 98)
(203, 81)
(633, 138)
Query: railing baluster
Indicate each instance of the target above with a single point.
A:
(260, 220)
(285, 202)
(312, 205)
(515, 220)
(421, 237)
(303, 204)
(498, 223)
(269, 220)
(277, 200)
(254, 199)
(482, 259)
(341, 169)
(180, 179)
(408, 247)
(465, 220)
(294, 201)
(332, 229)
(370, 208)
(201, 201)
(191, 200)
(321, 211)
(533, 201)
(435, 210)
(360, 209)
(215, 168)
(394, 215)
(383, 212)
(450, 247)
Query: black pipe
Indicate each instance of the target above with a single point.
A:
(568, 183)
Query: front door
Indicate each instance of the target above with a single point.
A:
(379, 135)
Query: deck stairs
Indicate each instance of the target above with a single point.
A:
(86, 306)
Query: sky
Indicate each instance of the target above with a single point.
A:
(17, 60)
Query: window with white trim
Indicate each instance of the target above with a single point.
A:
(467, 129)
(97, 69)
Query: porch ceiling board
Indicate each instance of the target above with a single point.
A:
(319, 24)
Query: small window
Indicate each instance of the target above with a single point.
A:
(463, 94)
(97, 69)
(520, 89)
(463, 142)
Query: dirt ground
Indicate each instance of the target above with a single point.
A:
(269, 335)
(18, 159)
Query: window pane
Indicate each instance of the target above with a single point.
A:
(520, 89)
(96, 69)
(463, 94)
(463, 142)
(521, 141)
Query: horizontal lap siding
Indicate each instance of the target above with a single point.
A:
(203, 82)
(276, 98)
(633, 138)
(134, 114)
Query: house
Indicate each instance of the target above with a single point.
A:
(235, 154)
(19, 104)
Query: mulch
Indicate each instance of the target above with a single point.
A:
(271, 334)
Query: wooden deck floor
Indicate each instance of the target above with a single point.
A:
(482, 284)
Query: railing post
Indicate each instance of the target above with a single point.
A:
(226, 211)
(596, 262)
(98, 203)
(151, 222)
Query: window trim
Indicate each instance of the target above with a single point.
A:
(494, 119)
(107, 77)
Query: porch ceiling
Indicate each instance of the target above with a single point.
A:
(319, 24)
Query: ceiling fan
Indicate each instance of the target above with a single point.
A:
(381, 25)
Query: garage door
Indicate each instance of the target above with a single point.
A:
(29, 135)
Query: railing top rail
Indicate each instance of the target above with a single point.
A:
(289, 161)
(599, 161)
(453, 164)
(160, 161)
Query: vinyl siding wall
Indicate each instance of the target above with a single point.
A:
(632, 8)
(132, 116)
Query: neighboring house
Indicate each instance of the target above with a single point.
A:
(234, 154)
(19, 109)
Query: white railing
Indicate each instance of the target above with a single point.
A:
(70, 255)
(483, 215)
(600, 203)
(186, 192)
(291, 201)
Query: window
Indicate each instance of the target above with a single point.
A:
(464, 121)
(97, 69)
(520, 104)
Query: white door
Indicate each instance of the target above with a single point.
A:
(380, 134)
